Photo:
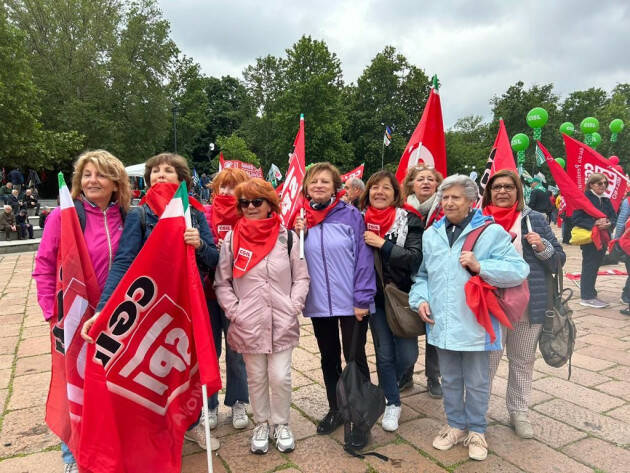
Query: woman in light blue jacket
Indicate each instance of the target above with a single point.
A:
(438, 295)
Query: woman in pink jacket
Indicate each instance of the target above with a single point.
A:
(261, 283)
(100, 187)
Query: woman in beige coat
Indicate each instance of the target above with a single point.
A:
(261, 283)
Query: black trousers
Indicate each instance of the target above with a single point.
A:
(431, 362)
(327, 335)
(591, 261)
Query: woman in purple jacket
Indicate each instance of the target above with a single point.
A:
(343, 285)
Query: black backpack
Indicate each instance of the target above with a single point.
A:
(78, 205)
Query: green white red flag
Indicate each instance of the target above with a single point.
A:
(153, 351)
(290, 196)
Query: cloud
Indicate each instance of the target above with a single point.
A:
(478, 49)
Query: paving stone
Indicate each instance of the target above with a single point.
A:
(322, 454)
(7, 345)
(605, 341)
(530, 455)
(34, 346)
(601, 455)
(36, 331)
(596, 424)
(6, 361)
(33, 320)
(499, 386)
(25, 432)
(32, 364)
(594, 322)
(421, 432)
(29, 390)
(11, 319)
(551, 432)
(316, 376)
(3, 398)
(44, 462)
(301, 426)
(590, 363)
(311, 400)
(309, 344)
(622, 413)
(426, 405)
(403, 457)
(198, 462)
(10, 330)
(298, 379)
(306, 360)
(580, 395)
(492, 464)
(578, 375)
(9, 309)
(235, 452)
(610, 354)
(5, 377)
(497, 409)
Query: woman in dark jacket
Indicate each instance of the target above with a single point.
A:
(533, 238)
(396, 236)
(592, 257)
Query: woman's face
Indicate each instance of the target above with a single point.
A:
(424, 185)
(322, 187)
(255, 209)
(164, 173)
(503, 192)
(382, 194)
(599, 186)
(226, 190)
(96, 187)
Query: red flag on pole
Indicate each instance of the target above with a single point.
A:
(501, 157)
(427, 143)
(78, 293)
(582, 161)
(356, 172)
(153, 350)
(290, 198)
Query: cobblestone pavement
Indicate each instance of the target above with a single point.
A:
(582, 425)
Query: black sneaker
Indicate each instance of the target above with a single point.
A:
(406, 381)
(435, 388)
(330, 423)
(625, 311)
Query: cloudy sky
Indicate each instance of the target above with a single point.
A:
(477, 48)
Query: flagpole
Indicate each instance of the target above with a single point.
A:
(382, 155)
(204, 394)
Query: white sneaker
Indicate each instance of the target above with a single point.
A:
(213, 417)
(198, 435)
(239, 415)
(390, 418)
(595, 303)
(285, 442)
(477, 446)
(260, 439)
(70, 468)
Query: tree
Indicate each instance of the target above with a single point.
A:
(468, 145)
(235, 147)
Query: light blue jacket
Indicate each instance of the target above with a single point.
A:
(441, 279)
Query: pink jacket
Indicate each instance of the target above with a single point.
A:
(102, 234)
(264, 304)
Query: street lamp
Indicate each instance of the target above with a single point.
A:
(175, 109)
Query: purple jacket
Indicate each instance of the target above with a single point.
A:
(340, 264)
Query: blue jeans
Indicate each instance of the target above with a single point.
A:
(66, 455)
(394, 355)
(466, 388)
(236, 383)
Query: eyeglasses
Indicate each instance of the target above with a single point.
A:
(244, 203)
(501, 187)
(600, 183)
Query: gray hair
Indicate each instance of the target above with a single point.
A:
(8, 207)
(356, 183)
(471, 191)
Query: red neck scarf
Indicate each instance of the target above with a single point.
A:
(224, 215)
(159, 195)
(504, 216)
(252, 240)
(411, 209)
(380, 221)
(315, 217)
(482, 301)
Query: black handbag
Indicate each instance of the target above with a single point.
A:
(402, 321)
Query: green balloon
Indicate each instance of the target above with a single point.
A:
(537, 117)
(567, 128)
(561, 162)
(616, 125)
(589, 125)
(596, 139)
(520, 142)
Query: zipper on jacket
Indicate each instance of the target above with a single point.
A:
(109, 241)
(321, 244)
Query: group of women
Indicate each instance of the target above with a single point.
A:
(257, 285)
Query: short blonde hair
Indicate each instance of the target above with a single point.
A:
(316, 169)
(407, 185)
(110, 167)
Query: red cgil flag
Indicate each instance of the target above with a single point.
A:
(356, 172)
(501, 157)
(582, 161)
(78, 293)
(427, 144)
(153, 351)
(290, 197)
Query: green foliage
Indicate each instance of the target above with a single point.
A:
(468, 145)
(235, 147)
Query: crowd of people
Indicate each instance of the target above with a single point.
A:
(429, 236)
(19, 203)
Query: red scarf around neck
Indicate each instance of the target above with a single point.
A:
(224, 215)
(159, 195)
(482, 301)
(252, 240)
(315, 217)
(504, 216)
(380, 221)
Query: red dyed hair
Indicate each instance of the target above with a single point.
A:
(228, 177)
(255, 188)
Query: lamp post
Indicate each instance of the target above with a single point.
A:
(175, 109)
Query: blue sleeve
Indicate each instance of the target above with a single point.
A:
(624, 212)
(207, 252)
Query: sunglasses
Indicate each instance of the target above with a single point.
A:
(244, 203)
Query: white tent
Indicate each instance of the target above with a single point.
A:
(137, 170)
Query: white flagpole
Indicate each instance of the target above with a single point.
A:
(302, 235)
(204, 393)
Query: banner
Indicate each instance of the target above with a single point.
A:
(78, 293)
(501, 157)
(250, 169)
(291, 197)
(356, 172)
(582, 161)
(427, 143)
(153, 350)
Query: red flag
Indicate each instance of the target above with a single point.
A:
(290, 198)
(250, 169)
(356, 172)
(427, 144)
(221, 161)
(582, 161)
(501, 157)
(574, 197)
(145, 370)
(78, 293)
